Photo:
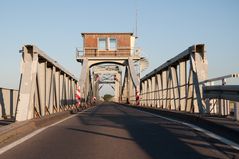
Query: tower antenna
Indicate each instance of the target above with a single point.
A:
(136, 19)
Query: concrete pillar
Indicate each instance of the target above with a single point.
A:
(175, 88)
(130, 87)
(164, 87)
(149, 93)
(117, 89)
(168, 89)
(153, 94)
(142, 93)
(159, 90)
(220, 105)
(146, 93)
(236, 111)
(57, 83)
(190, 93)
(183, 81)
(42, 86)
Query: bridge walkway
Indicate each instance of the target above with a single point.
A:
(114, 131)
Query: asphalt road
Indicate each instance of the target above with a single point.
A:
(111, 131)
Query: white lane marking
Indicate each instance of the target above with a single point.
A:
(208, 133)
(15, 143)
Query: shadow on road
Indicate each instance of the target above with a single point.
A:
(157, 137)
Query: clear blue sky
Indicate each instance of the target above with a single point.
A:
(165, 28)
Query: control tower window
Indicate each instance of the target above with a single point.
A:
(112, 44)
(102, 43)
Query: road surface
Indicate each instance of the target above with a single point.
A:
(112, 131)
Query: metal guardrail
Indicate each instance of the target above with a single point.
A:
(222, 79)
(216, 105)
(226, 92)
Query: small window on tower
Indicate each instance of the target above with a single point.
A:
(102, 44)
(112, 44)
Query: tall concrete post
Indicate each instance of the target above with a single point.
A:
(117, 87)
(183, 81)
(164, 88)
(236, 110)
(153, 94)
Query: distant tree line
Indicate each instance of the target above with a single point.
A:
(107, 97)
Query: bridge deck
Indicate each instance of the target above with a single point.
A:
(114, 131)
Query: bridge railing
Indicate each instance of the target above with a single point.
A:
(175, 84)
(221, 98)
(8, 102)
(45, 87)
(94, 52)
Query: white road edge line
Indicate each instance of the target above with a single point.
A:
(25, 138)
(208, 133)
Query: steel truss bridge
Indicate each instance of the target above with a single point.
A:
(180, 84)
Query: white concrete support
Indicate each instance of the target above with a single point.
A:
(183, 81)
(175, 86)
(41, 78)
(146, 93)
(117, 87)
(160, 92)
(125, 88)
(57, 87)
(164, 88)
(149, 92)
(190, 93)
(156, 95)
(61, 91)
(130, 88)
(236, 111)
(142, 93)
(168, 89)
(153, 94)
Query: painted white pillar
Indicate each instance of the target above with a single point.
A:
(175, 88)
(150, 93)
(164, 87)
(183, 81)
(159, 90)
(236, 111)
(153, 94)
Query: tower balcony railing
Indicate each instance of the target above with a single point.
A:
(95, 52)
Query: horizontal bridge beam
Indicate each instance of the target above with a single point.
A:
(45, 58)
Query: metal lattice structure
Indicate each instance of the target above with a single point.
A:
(175, 84)
(45, 87)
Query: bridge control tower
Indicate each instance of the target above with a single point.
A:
(109, 48)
